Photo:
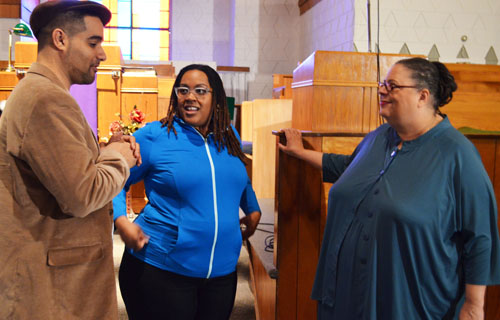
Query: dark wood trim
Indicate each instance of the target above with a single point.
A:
(235, 69)
(323, 134)
(305, 5)
(348, 134)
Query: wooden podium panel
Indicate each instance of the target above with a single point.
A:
(8, 80)
(26, 53)
(337, 91)
(300, 215)
(119, 89)
(282, 86)
(476, 103)
(165, 85)
(259, 118)
(139, 89)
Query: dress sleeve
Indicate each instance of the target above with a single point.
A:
(144, 137)
(478, 213)
(55, 145)
(334, 165)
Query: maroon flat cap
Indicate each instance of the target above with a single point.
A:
(47, 11)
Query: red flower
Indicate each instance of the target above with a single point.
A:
(115, 127)
(137, 115)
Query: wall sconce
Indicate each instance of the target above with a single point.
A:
(20, 29)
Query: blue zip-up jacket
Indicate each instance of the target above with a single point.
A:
(194, 193)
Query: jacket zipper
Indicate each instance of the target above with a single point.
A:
(216, 214)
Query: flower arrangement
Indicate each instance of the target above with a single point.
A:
(137, 118)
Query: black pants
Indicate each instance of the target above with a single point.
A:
(152, 293)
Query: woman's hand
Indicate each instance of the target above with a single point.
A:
(131, 233)
(470, 311)
(295, 148)
(294, 145)
(473, 308)
(250, 221)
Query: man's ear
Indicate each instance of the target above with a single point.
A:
(59, 39)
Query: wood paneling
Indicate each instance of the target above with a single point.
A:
(139, 89)
(282, 86)
(260, 118)
(263, 286)
(8, 81)
(10, 10)
(26, 54)
(337, 91)
(476, 103)
(165, 85)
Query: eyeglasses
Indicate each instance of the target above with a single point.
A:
(389, 86)
(198, 91)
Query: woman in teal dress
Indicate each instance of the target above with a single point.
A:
(412, 229)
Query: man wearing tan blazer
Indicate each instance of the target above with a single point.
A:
(56, 183)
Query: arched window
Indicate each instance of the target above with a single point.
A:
(140, 27)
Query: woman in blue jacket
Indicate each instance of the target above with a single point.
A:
(181, 252)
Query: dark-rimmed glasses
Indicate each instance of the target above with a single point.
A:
(389, 86)
(198, 91)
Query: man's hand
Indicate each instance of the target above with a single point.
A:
(131, 233)
(250, 221)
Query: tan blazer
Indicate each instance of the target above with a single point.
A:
(55, 214)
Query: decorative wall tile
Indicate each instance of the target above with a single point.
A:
(432, 22)
(491, 57)
(433, 55)
(462, 54)
(404, 49)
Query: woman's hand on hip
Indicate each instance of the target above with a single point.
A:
(249, 223)
(131, 234)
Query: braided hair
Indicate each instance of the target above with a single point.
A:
(219, 121)
(433, 76)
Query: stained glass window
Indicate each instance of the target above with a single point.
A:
(140, 27)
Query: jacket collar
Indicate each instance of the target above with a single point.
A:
(42, 70)
(186, 125)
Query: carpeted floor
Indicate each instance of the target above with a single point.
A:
(243, 306)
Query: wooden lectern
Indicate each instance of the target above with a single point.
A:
(337, 91)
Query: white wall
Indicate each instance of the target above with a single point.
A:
(192, 27)
(422, 23)
(329, 25)
(5, 25)
(266, 40)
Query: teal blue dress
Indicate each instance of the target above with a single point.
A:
(406, 229)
